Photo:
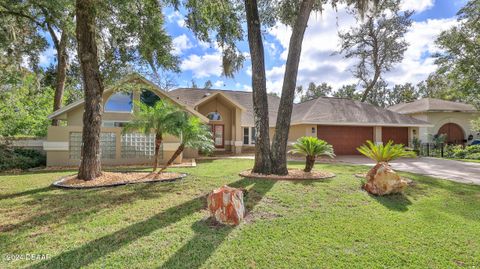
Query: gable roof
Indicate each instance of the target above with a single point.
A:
(432, 105)
(341, 111)
(134, 77)
(323, 110)
(192, 96)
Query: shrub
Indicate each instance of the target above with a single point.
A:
(311, 147)
(19, 158)
(473, 156)
(385, 153)
(473, 149)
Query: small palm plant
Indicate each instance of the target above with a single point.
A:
(385, 153)
(194, 135)
(311, 147)
(162, 118)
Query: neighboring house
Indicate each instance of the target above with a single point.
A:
(344, 123)
(446, 117)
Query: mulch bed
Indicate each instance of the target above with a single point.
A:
(293, 174)
(111, 179)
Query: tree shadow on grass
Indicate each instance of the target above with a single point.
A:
(194, 253)
(26, 193)
(396, 202)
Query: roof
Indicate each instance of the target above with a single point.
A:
(193, 96)
(432, 105)
(341, 111)
(134, 77)
(323, 110)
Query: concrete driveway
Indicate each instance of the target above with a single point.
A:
(463, 172)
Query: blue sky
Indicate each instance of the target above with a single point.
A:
(201, 61)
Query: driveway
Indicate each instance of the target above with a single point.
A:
(462, 172)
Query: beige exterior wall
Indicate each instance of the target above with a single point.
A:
(438, 119)
(60, 136)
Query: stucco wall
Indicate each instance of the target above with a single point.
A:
(226, 113)
(438, 119)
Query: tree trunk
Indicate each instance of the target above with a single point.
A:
(280, 138)
(309, 163)
(174, 156)
(263, 164)
(62, 65)
(370, 86)
(90, 166)
(158, 142)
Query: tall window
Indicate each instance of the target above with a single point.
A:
(214, 116)
(254, 135)
(245, 136)
(119, 102)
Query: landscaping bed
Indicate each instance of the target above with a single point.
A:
(110, 179)
(293, 174)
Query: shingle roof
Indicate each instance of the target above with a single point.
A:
(323, 110)
(330, 110)
(191, 96)
(431, 105)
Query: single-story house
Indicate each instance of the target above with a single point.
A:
(446, 117)
(344, 123)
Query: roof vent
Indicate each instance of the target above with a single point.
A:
(206, 95)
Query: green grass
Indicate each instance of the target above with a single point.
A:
(465, 160)
(322, 224)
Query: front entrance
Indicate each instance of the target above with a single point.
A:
(218, 135)
(453, 132)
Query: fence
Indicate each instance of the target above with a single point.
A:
(431, 149)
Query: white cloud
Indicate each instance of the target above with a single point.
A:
(47, 57)
(416, 5)
(181, 43)
(219, 83)
(203, 66)
(319, 64)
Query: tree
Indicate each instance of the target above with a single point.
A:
(402, 94)
(193, 135)
(378, 43)
(348, 92)
(475, 125)
(160, 119)
(50, 17)
(311, 147)
(459, 60)
(140, 21)
(314, 91)
(208, 85)
(223, 18)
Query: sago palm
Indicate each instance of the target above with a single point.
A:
(385, 153)
(161, 119)
(194, 135)
(311, 147)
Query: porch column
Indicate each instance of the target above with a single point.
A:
(237, 138)
(377, 135)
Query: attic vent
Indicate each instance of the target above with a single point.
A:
(206, 95)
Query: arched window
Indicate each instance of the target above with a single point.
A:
(119, 102)
(214, 116)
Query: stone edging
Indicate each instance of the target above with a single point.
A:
(59, 182)
(247, 174)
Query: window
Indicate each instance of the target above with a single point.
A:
(136, 145)
(119, 102)
(254, 135)
(113, 124)
(107, 145)
(214, 116)
(245, 135)
(149, 98)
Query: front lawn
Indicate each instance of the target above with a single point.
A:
(322, 224)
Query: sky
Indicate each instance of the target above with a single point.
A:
(200, 61)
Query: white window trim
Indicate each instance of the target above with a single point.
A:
(249, 135)
(109, 121)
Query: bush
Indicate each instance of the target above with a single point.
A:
(19, 158)
(473, 156)
(473, 149)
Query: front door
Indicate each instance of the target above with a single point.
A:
(218, 133)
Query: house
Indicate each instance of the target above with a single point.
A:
(344, 123)
(446, 117)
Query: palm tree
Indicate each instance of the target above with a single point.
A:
(311, 147)
(162, 118)
(385, 153)
(194, 135)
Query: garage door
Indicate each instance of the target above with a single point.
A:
(399, 135)
(345, 139)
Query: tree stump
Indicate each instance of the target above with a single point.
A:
(382, 180)
(226, 205)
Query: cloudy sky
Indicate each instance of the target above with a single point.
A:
(201, 61)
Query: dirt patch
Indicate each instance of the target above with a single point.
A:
(293, 174)
(109, 179)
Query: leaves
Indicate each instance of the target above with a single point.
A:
(312, 146)
(385, 153)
